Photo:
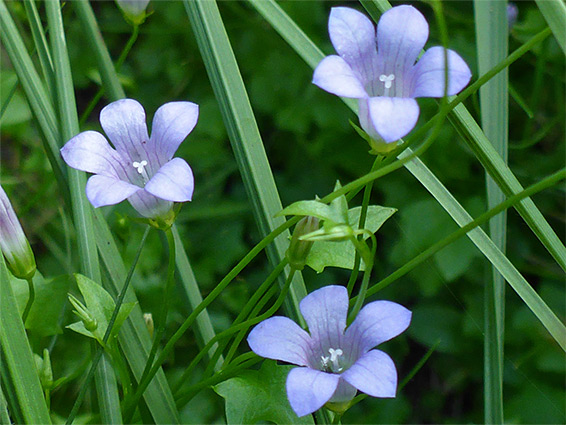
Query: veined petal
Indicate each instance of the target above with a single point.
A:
(280, 338)
(392, 117)
(90, 151)
(325, 312)
(173, 182)
(402, 32)
(104, 190)
(335, 76)
(148, 205)
(308, 389)
(172, 123)
(124, 123)
(344, 392)
(374, 374)
(377, 322)
(428, 74)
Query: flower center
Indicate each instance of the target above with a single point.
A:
(140, 167)
(387, 81)
(331, 363)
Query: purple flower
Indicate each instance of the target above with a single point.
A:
(13, 241)
(381, 72)
(140, 167)
(334, 363)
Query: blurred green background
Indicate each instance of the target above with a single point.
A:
(310, 145)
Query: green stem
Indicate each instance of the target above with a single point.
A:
(31, 298)
(100, 350)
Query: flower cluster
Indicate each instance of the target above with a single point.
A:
(379, 69)
(334, 361)
(140, 168)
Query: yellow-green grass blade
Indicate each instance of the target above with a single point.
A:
(554, 11)
(19, 378)
(228, 86)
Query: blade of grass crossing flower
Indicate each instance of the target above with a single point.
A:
(4, 415)
(107, 387)
(244, 135)
(134, 337)
(282, 23)
(492, 47)
(492, 162)
(194, 296)
(554, 11)
(20, 380)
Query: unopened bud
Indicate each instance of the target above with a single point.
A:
(148, 318)
(13, 242)
(299, 249)
(91, 324)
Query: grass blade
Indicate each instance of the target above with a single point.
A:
(242, 129)
(20, 381)
(554, 11)
(492, 36)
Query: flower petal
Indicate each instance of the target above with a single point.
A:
(377, 322)
(104, 190)
(402, 32)
(308, 389)
(428, 77)
(280, 338)
(335, 76)
(173, 182)
(90, 151)
(390, 117)
(149, 205)
(172, 123)
(124, 123)
(374, 374)
(344, 392)
(325, 312)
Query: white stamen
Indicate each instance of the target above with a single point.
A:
(331, 364)
(140, 165)
(387, 80)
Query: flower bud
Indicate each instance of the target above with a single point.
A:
(299, 249)
(134, 10)
(91, 324)
(13, 242)
(45, 372)
(148, 319)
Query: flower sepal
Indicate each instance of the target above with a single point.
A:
(163, 222)
(339, 408)
(378, 146)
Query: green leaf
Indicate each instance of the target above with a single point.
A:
(554, 11)
(50, 298)
(313, 208)
(342, 254)
(260, 395)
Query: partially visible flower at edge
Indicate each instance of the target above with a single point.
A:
(335, 361)
(134, 10)
(13, 241)
(141, 168)
(512, 14)
(380, 70)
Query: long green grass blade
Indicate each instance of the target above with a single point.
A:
(282, 23)
(554, 11)
(492, 36)
(106, 384)
(243, 132)
(19, 378)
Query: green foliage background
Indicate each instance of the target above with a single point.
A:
(310, 145)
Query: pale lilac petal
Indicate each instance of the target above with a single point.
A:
(325, 311)
(124, 123)
(308, 389)
(172, 123)
(428, 76)
(173, 182)
(344, 392)
(134, 8)
(104, 190)
(377, 322)
(90, 151)
(374, 374)
(279, 338)
(335, 76)
(392, 117)
(402, 32)
(148, 205)
(353, 36)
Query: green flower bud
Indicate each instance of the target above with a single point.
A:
(91, 324)
(148, 319)
(299, 249)
(13, 242)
